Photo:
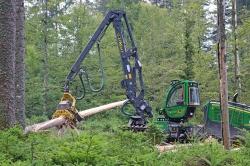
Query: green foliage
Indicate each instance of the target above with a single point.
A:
(243, 41)
(189, 52)
(107, 148)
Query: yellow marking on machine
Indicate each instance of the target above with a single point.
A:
(67, 109)
(129, 76)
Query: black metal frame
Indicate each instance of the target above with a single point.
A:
(129, 83)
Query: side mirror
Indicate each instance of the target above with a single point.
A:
(235, 97)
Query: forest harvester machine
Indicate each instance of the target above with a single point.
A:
(180, 102)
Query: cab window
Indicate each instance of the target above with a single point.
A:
(177, 97)
(194, 98)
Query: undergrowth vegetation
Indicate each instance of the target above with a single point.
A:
(102, 141)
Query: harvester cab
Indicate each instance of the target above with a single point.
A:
(180, 102)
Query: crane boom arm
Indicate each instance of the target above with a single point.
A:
(118, 17)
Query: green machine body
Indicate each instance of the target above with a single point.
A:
(181, 100)
(179, 104)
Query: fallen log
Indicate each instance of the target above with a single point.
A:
(61, 120)
(175, 147)
(170, 147)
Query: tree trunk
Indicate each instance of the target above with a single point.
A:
(235, 48)
(223, 74)
(7, 60)
(45, 60)
(189, 50)
(19, 65)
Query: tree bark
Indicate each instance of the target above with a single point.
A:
(235, 48)
(223, 74)
(19, 65)
(45, 60)
(7, 60)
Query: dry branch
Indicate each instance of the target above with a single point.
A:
(61, 120)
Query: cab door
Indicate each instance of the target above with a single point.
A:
(176, 105)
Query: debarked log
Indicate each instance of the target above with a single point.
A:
(61, 120)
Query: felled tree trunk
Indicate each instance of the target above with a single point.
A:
(61, 120)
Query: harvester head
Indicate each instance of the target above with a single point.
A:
(67, 109)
